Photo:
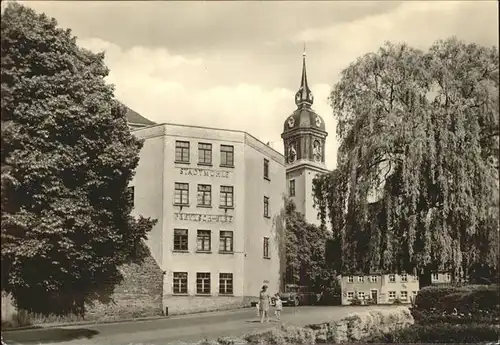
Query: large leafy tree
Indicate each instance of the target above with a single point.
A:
(306, 252)
(67, 159)
(416, 185)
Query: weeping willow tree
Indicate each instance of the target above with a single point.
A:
(416, 184)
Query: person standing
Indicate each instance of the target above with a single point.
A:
(264, 301)
(278, 304)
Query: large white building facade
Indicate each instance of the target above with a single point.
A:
(218, 198)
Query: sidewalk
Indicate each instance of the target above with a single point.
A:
(139, 319)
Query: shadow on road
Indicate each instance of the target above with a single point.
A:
(52, 335)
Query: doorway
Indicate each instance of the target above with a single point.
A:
(374, 296)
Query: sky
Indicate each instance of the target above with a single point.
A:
(237, 65)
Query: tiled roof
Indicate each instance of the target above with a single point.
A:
(134, 117)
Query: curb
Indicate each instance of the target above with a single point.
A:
(82, 323)
(86, 323)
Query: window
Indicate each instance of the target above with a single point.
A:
(266, 247)
(360, 279)
(350, 279)
(225, 283)
(226, 196)
(203, 283)
(180, 283)
(392, 278)
(350, 295)
(180, 239)
(130, 195)
(226, 155)
(361, 294)
(404, 295)
(204, 153)
(435, 276)
(266, 206)
(448, 277)
(204, 195)
(266, 169)
(226, 241)
(373, 279)
(182, 151)
(404, 278)
(392, 294)
(291, 188)
(181, 194)
(203, 241)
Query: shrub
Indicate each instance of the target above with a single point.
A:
(439, 333)
(464, 299)
(285, 334)
(425, 317)
(355, 301)
(397, 301)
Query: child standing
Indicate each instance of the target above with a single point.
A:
(278, 306)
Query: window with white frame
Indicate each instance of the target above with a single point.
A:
(225, 283)
(435, 276)
(204, 196)
(373, 279)
(404, 295)
(392, 278)
(291, 188)
(203, 241)
(227, 156)
(226, 196)
(392, 294)
(265, 250)
(266, 169)
(350, 279)
(204, 153)
(180, 282)
(360, 279)
(350, 295)
(448, 277)
(404, 277)
(226, 241)
(182, 151)
(361, 294)
(181, 239)
(181, 193)
(203, 283)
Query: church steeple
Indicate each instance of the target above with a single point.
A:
(304, 96)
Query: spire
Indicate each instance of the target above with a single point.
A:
(304, 96)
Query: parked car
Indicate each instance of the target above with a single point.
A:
(295, 295)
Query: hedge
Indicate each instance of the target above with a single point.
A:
(440, 333)
(464, 299)
(426, 317)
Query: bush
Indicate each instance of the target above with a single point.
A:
(426, 317)
(397, 301)
(355, 301)
(439, 333)
(464, 299)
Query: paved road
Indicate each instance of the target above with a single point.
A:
(181, 328)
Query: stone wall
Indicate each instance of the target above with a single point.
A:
(139, 295)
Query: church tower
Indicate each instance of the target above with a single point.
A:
(304, 137)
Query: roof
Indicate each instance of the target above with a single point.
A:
(136, 118)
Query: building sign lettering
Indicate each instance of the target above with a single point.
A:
(204, 172)
(204, 218)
